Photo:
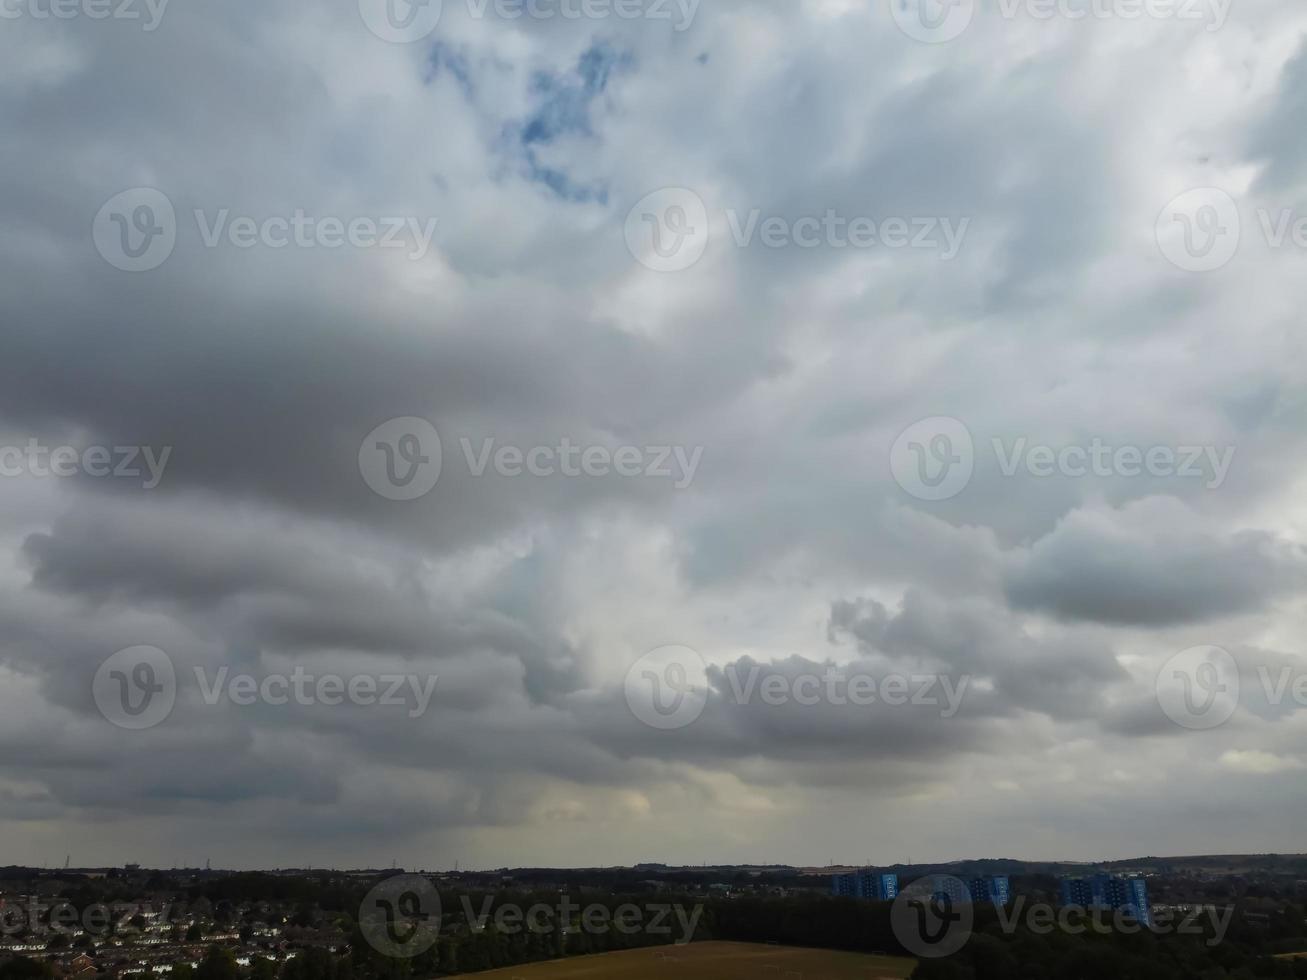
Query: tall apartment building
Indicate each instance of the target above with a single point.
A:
(946, 888)
(867, 884)
(989, 888)
(1104, 891)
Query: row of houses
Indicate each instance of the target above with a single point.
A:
(156, 960)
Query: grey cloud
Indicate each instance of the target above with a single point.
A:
(1151, 564)
(1277, 140)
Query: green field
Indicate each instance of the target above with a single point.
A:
(714, 961)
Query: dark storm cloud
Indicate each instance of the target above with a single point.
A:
(1064, 676)
(1152, 564)
(1277, 139)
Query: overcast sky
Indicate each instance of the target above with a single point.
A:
(1018, 409)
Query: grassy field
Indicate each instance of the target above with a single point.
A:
(714, 961)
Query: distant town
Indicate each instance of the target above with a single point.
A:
(305, 924)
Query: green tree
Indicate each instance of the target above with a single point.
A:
(21, 968)
(218, 964)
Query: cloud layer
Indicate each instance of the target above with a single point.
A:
(794, 551)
